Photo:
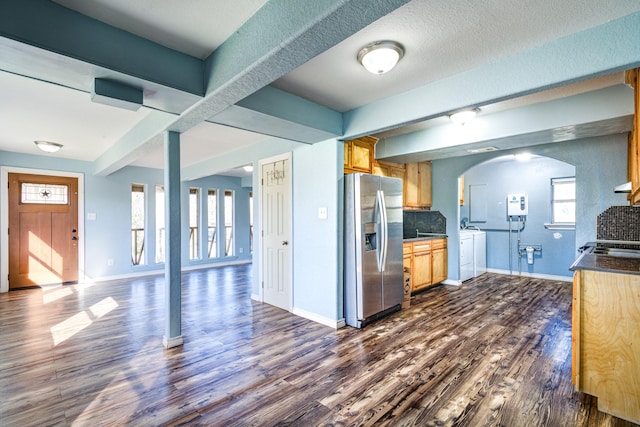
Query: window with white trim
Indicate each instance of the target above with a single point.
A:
(563, 200)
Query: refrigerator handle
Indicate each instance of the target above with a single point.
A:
(383, 231)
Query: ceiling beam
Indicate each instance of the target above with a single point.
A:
(272, 111)
(277, 39)
(54, 28)
(257, 54)
(601, 50)
(144, 136)
(603, 111)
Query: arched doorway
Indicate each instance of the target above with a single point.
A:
(546, 183)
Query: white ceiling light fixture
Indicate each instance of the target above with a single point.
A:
(523, 157)
(48, 146)
(380, 57)
(248, 168)
(465, 116)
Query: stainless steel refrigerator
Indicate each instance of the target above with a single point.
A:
(373, 271)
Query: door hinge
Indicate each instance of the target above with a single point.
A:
(263, 284)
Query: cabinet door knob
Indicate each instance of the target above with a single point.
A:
(285, 243)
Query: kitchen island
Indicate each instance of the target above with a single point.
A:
(606, 331)
(425, 260)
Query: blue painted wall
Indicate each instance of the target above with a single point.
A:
(601, 163)
(505, 176)
(109, 236)
(317, 172)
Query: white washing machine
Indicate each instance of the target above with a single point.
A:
(479, 253)
(473, 253)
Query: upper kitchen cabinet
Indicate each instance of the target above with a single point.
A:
(358, 154)
(382, 168)
(417, 185)
(634, 137)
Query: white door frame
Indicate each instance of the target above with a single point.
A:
(284, 156)
(4, 219)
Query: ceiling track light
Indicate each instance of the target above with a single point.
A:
(48, 146)
(464, 116)
(381, 56)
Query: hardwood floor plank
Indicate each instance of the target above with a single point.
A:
(495, 351)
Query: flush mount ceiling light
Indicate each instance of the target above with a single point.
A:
(523, 157)
(465, 116)
(48, 146)
(380, 57)
(248, 168)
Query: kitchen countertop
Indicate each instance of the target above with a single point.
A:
(431, 236)
(607, 263)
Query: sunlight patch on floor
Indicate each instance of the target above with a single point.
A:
(79, 321)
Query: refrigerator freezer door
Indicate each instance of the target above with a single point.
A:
(393, 275)
(370, 287)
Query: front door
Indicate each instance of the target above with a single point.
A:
(275, 228)
(43, 230)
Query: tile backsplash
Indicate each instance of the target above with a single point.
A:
(425, 221)
(619, 223)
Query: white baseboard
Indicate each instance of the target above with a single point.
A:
(335, 324)
(452, 282)
(160, 271)
(256, 297)
(172, 342)
(532, 275)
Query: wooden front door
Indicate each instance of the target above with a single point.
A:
(43, 230)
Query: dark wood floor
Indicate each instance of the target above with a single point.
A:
(495, 351)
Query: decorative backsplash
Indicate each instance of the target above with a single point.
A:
(425, 221)
(619, 223)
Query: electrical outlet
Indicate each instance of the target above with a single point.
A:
(322, 213)
(241, 250)
(110, 262)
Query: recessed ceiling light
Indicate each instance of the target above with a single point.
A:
(48, 146)
(465, 116)
(248, 168)
(380, 57)
(523, 157)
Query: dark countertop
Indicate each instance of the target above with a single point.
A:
(607, 263)
(431, 236)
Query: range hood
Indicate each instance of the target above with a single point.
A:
(622, 188)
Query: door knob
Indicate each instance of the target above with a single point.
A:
(285, 243)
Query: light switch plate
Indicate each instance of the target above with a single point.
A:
(91, 216)
(322, 213)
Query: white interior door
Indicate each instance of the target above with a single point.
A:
(276, 230)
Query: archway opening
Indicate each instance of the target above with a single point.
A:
(526, 209)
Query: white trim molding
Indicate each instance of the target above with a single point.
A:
(335, 324)
(532, 275)
(172, 342)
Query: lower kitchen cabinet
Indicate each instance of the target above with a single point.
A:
(421, 265)
(440, 266)
(427, 262)
(606, 340)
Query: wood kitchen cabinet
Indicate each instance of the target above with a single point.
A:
(440, 267)
(632, 78)
(382, 168)
(421, 265)
(427, 262)
(417, 185)
(358, 154)
(606, 340)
